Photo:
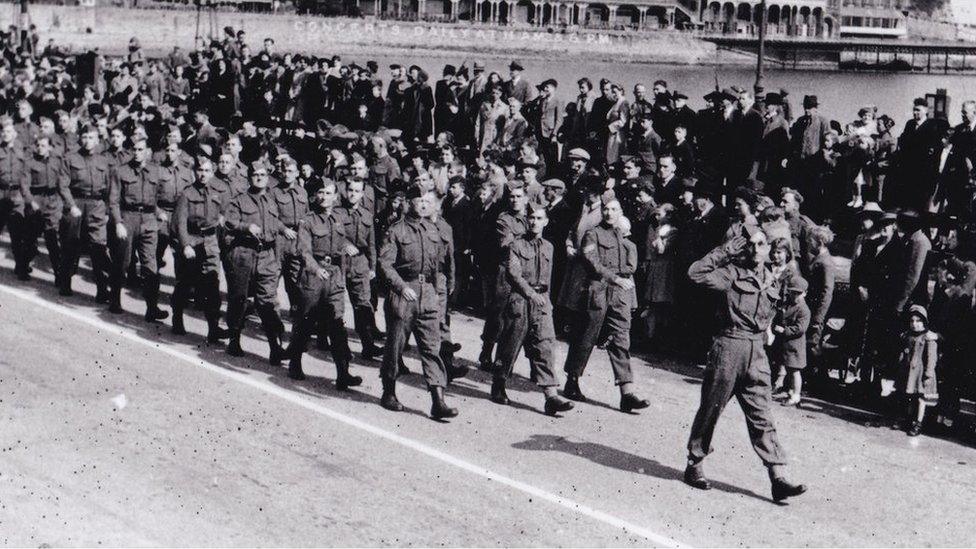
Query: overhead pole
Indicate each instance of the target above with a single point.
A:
(760, 60)
(25, 38)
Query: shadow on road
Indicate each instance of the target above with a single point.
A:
(618, 459)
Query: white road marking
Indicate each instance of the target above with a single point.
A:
(658, 540)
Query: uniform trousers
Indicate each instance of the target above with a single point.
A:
(737, 367)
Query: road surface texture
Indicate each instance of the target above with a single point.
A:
(114, 432)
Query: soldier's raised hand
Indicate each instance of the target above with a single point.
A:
(735, 245)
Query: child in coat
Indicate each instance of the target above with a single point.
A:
(919, 357)
(788, 353)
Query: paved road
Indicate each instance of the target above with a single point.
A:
(116, 433)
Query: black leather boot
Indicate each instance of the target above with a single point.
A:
(783, 489)
(389, 399)
(630, 402)
(295, 368)
(345, 380)
(439, 409)
(695, 476)
(115, 300)
(557, 404)
(485, 363)
(277, 352)
(234, 344)
(572, 390)
(498, 395)
(215, 333)
(102, 294)
(178, 327)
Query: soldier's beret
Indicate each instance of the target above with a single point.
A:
(414, 191)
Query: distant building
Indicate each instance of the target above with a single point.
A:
(628, 14)
(797, 18)
(871, 18)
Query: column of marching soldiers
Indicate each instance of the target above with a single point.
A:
(122, 204)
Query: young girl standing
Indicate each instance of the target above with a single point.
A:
(788, 353)
(919, 356)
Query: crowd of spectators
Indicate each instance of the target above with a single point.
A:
(896, 199)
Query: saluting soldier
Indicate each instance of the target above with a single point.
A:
(360, 267)
(85, 193)
(738, 365)
(198, 214)
(322, 244)
(408, 262)
(44, 199)
(528, 316)
(14, 186)
(252, 228)
(292, 202)
(132, 194)
(610, 260)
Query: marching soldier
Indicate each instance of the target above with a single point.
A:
(360, 268)
(174, 176)
(528, 316)
(446, 279)
(737, 361)
(610, 260)
(132, 194)
(509, 226)
(322, 244)
(44, 198)
(409, 260)
(196, 219)
(252, 228)
(292, 203)
(14, 187)
(85, 227)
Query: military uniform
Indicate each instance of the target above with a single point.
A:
(173, 178)
(45, 177)
(132, 194)
(737, 363)
(508, 227)
(607, 254)
(321, 241)
(410, 258)
(87, 175)
(195, 224)
(292, 205)
(361, 233)
(14, 186)
(529, 271)
(445, 286)
(253, 263)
